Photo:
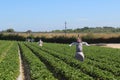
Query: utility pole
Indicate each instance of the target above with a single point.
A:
(65, 27)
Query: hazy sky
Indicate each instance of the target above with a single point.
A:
(45, 15)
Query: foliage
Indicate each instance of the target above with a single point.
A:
(104, 29)
(37, 69)
(60, 68)
(9, 65)
(12, 37)
(9, 30)
(56, 62)
(29, 31)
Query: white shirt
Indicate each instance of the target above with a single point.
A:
(79, 45)
(40, 42)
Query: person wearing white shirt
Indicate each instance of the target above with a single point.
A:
(40, 43)
(79, 52)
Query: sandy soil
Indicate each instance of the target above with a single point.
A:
(113, 45)
(21, 75)
(108, 45)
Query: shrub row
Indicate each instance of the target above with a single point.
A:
(61, 39)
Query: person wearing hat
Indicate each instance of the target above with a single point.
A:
(79, 53)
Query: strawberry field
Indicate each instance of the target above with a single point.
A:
(57, 62)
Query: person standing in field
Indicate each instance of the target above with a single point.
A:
(40, 43)
(79, 52)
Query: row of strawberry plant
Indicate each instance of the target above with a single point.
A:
(103, 66)
(9, 66)
(4, 50)
(110, 68)
(107, 54)
(1, 43)
(91, 54)
(93, 49)
(4, 46)
(37, 69)
(62, 70)
(103, 61)
(97, 58)
(83, 67)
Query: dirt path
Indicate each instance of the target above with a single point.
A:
(108, 45)
(21, 76)
(113, 45)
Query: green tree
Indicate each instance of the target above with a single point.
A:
(10, 30)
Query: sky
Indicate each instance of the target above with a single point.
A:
(47, 15)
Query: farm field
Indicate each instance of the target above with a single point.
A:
(56, 62)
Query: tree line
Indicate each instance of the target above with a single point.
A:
(104, 29)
